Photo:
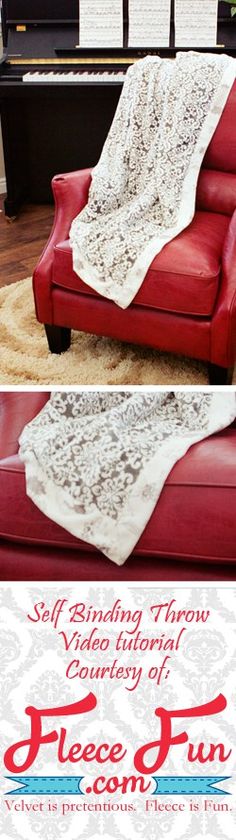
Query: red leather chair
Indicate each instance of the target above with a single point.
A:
(191, 534)
(187, 302)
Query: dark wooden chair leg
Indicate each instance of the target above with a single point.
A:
(58, 338)
(220, 375)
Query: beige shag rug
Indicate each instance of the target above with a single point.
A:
(91, 360)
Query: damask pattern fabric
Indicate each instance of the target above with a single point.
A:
(144, 186)
(96, 462)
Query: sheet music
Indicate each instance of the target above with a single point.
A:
(149, 23)
(196, 23)
(101, 23)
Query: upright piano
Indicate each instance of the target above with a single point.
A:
(57, 99)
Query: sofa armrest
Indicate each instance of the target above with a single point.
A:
(17, 409)
(70, 194)
(223, 331)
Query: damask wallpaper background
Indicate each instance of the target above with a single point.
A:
(193, 669)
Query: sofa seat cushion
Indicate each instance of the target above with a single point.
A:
(183, 278)
(194, 518)
(21, 562)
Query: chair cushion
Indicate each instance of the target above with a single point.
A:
(183, 278)
(194, 518)
(21, 562)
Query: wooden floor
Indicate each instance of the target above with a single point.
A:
(22, 241)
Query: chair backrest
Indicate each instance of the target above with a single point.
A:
(216, 190)
(16, 409)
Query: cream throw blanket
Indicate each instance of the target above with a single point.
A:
(144, 186)
(96, 462)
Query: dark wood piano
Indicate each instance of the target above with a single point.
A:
(57, 101)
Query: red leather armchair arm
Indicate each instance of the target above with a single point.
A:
(223, 333)
(17, 409)
(70, 194)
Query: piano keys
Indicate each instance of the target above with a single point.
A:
(83, 77)
(57, 99)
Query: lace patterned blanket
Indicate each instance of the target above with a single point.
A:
(143, 188)
(96, 462)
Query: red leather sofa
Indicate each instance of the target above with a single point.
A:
(187, 302)
(191, 534)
